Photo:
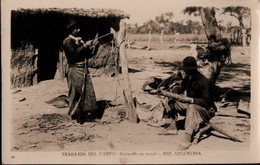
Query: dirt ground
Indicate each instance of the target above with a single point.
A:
(38, 126)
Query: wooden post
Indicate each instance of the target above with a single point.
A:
(162, 37)
(131, 111)
(244, 37)
(176, 39)
(61, 69)
(62, 65)
(35, 68)
(149, 40)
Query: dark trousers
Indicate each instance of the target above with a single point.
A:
(195, 115)
(81, 100)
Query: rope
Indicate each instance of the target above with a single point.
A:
(116, 69)
(104, 36)
(121, 43)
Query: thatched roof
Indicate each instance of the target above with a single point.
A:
(94, 13)
(36, 24)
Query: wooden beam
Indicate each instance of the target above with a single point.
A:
(162, 37)
(224, 132)
(131, 111)
(60, 65)
(149, 40)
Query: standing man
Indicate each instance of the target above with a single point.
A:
(197, 103)
(82, 99)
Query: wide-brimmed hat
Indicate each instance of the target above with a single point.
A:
(189, 63)
(72, 24)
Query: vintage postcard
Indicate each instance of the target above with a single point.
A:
(130, 81)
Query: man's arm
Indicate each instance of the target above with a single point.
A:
(181, 98)
(71, 49)
(204, 100)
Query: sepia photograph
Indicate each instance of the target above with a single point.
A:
(130, 81)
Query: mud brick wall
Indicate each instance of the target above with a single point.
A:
(22, 66)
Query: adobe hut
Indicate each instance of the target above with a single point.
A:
(37, 36)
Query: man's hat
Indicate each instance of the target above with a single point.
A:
(72, 24)
(189, 63)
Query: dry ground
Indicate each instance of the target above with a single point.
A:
(38, 126)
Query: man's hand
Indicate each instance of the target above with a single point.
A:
(88, 43)
(186, 99)
(159, 91)
(181, 98)
(113, 31)
(95, 42)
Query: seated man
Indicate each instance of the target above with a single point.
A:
(197, 103)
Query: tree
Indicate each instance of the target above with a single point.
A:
(238, 12)
(133, 28)
(153, 26)
(171, 27)
(217, 51)
(136, 28)
(189, 26)
(164, 18)
(150, 25)
(178, 27)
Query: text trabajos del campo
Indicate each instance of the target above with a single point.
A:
(134, 153)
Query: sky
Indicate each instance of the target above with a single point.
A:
(140, 11)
